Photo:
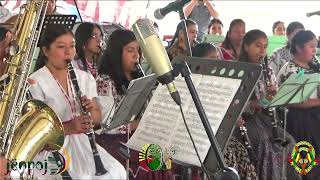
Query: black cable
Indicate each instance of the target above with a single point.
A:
(194, 145)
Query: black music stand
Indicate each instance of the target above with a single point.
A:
(66, 20)
(133, 102)
(248, 73)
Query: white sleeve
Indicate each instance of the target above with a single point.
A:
(36, 91)
(87, 84)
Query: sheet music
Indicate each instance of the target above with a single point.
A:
(162, 122)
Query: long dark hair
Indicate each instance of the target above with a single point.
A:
(227, 42)
(203, 49)
(83, 35)
(248, 39)
(50, 34)
(300, 39)
(111, 59)
(189, 22)
(291, 28)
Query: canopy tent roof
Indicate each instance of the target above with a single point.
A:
(256, 14)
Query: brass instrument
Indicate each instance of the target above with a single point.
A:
(26, 128)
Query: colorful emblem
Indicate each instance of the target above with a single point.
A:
(151, 157)
(303, 157)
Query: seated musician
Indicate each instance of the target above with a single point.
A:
(282, 55)
(52, 85)
(215, 27)
(303, 118)
(266, 154)
(177, 46)
(118, 66)
(88, 46)
(236, 155)
(233, 39)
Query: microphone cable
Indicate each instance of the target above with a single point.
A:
(194, 145)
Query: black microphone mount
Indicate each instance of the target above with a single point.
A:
(313, 13)
(173, 6)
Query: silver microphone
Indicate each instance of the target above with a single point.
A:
(313, 13)
(156, 55)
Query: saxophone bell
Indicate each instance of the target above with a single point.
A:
(25, 127)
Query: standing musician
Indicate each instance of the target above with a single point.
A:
(52, 85)
(89, 37)
(267, 154)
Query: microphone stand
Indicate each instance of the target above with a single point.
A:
(226, 173)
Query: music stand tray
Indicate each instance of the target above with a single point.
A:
(212, 38)
(133, 102)
(296, 89)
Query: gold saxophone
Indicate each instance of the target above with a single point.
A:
(26, 128)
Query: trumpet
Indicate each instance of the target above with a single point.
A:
(100, 170)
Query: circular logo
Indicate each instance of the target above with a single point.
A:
(150, 157)
(62, 161)
(303, 157)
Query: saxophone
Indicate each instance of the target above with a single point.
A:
(26, 128)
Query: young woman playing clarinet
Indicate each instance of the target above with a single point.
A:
(267, 153)
(52, 84)
(303, 118)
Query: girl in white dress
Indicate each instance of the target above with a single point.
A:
(52, 85)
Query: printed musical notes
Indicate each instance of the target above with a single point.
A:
(162, 122)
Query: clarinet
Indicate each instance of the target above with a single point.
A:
(137, 72)
(270, 111)
(100, 170)
(247, 142)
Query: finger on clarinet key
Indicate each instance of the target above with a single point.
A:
(83, 98)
